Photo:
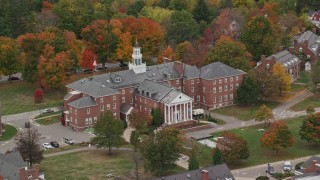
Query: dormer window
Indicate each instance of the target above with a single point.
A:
(300, 49)
(267, 66)
(118, 79)
(308, 56)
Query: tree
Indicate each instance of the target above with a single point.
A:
(309, 130)
(231, 53)
(167, 53)
(277, 137)
(88, 58)
(248, 92)
(180, 5)
(38, 96)
(315, 78)
(257, 37)
(161, 150)
(284, 80)
(233, 147)
(28, 144)
(137, 159)
(9, 56)
(243, 3)
(182, 27)
(266, 83)
(217, 156)
(157, 118)
(108, 131)
(193, 162)
(264, 114)
(135, 8)
(200, 12)
(140, 120)
(310, 109)
(157, 14)
(134, 139)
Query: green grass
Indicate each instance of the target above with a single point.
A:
(301, 106)
(9, 132)
(304, 77)
(90, 165)
(18, 97)
(64, 148)
(259, 155)
(298, 87)
(244, 112)
(220, 122)
(48, 114)
(49, 120)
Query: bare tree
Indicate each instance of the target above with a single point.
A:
(137, 159)
(29, 146)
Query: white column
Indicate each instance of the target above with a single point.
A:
(184, 111)
(172, 114)
(165, 113)
(191, 109)
(169, 122)
(176, 116)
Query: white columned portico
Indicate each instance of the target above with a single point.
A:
(176, 114)
(168, 119)
(165, 113)
(191, 110)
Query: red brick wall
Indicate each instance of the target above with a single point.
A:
(305, 50)
(146, 103)
(188, 84)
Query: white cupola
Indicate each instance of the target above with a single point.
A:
(137, 65)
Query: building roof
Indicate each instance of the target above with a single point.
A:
(83, 102)
(13, 158)
(312, 38)
(125, 108)
(218, 70)
(153, 90)
(309, 162)
(191, 71)
(216, 172)
(285, 57)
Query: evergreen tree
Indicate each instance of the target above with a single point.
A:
(135, 8)
(134, 139)
(193, 162)
(217, 156)
(157, 117)
(200, 12)
(248, 92)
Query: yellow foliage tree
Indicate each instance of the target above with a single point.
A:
(284, 80)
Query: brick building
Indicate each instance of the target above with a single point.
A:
(314, 17)
(174, 87)
(284, 57)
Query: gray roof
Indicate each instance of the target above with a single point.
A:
(312, 38)
(191, 71)
(153, 90)
(170, 96)
(218, 70)
(285, 57)
(308, 162)
(13, 158)
(85, 101)
(125, 108)
(216, 172)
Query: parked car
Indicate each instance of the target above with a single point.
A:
(47, 111)
(27, 125)
(271, 170)
(68, 140)
(13, 78)
(287, 166)
(261, 130)
(47, 146)
(54, 144)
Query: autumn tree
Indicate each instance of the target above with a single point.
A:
(181, 50)
(88, 58)
(217, 157)
(38, 96)
(167, 53)
(28, 144)
(277, 137)
(309, 130)
(9, 56)
(182, 27)
(231, 53)
(257, 37)
(108, 131)
(243, 3)
(248, 92)
(284, 80)
(265, 81)
(134, 139)
(264, 114)
(315, 78)
(180, 5)
(233, 147)
(310, 109)
(135, 8)
(161, 150)
(200, 12)
(157, 14)
(140, 120)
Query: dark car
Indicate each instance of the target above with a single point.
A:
(68, 140)
(27, 125)
(13, 78)
(123, 64)
(271, 170)
(54, 144)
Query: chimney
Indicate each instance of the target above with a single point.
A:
(314, 30)
(280, 48)
(166, 60)
(205, 175)
(303, 30)
(291, 49)
(178, 66)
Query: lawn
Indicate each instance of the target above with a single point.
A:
(9, 132)
(244, 112)
(49, 120)
(304, 77)
(18, 97)
(90, 165)
(301, 106)
(298, 87)
(259, 155)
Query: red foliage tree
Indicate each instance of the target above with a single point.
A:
(140, 119)
(38, 96)
(87, 59)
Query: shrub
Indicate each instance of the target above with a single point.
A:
(145, 131)
(262, 178)
(282, 175)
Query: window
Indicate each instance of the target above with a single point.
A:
(114, 113)
(237, 78)
(214, 82)
(225, 80)
(95, 119)
(123, 91)
(114, 105)
(90, 120)
(237, 85)
(88, 110)
(135, 97)
(155, 104)
(101, 108)
(131, 90)
(123, 99)
(76, 121)
(204, 89)
(214, 90)
(145, 109)
(140, 107)
(231, 79)
(203, 99)
(131, 101)
(231, 96)
(268, 66)
(71, 119)
(70, 109)
(192, 81)
(75, 111)
(87, 121)
(140, 99)
(192, 89)
(220, 98)
(225, 87)
(114, 97)
(220, 81)
(192, 97)
(177, 81)
(145, 101)
(198, 80)
(101, 100)
(118, 79)
(300, 49)
(220, 89)
(231, 86)
(214, 99)
(108, 106)
(308, 56)
(225, 97)
(198, 98)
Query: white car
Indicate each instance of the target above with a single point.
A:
(287, 166)
(47, 146)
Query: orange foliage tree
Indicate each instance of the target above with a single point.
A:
(167, 53)
(140, 119)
